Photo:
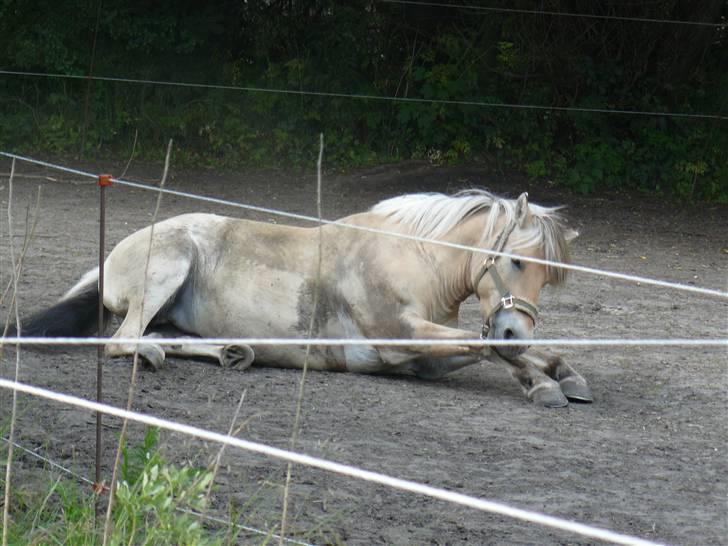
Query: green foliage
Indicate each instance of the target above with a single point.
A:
(153, 505)
(147, 511)
(57, 513)
(375, 49)
(153, 498)
(135, 461)
(149, 506)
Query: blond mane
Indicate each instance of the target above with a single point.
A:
(434, 215)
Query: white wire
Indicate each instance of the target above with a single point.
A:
(301, 92)
(381, 342)
(477, 8)
(243, 527)
(217, 201)
(48, 461)
(337, 468)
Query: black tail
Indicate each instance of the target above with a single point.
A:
(76, 316)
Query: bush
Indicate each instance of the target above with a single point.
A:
(375, 49)
(149, 507)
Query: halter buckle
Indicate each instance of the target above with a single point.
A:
(484, 331)
(507, 302)
(488, 262)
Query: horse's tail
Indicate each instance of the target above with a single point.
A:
(75, 315)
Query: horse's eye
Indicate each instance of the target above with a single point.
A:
(517, 263)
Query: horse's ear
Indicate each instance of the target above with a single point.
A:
(523, 213)
(570, 235)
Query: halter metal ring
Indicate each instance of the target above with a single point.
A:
(489, 261)
(507, 302)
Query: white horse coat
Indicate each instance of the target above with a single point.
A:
(213, 276)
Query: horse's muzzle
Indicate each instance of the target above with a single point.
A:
(511, 325)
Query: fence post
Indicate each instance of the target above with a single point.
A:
(104, 180)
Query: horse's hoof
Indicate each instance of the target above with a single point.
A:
(576, 390)
(237, 356)
(152, 355)
(548, 396)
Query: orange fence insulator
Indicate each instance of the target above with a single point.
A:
(105, 180)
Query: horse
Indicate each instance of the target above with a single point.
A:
(210, 276)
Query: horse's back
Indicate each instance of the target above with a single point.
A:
(228, 277)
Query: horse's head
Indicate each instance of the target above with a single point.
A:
(509, 289)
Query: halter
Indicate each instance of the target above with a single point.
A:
(507, 300)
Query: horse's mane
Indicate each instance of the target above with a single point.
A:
(434, 215)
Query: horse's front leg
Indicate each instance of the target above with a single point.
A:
(572, 384)
(436, 368)
(419, 328)
(537, 385)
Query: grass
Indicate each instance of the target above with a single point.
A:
(156, 503)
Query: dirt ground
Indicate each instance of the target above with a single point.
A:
(648, 457)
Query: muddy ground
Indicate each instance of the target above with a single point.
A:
(647, 458)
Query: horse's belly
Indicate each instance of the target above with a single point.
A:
(358, 357)
(252, 302)
(261, 303)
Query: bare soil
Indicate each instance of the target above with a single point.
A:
(648, 457)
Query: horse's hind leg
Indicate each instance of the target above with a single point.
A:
(160, 291)
(134, 323)
(571, 383)
(228, 356)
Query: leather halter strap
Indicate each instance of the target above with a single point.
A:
(507, 300)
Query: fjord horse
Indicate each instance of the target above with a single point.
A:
(211, 276)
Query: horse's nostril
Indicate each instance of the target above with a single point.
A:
(508, 334)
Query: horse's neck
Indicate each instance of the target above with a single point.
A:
(455, 266)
